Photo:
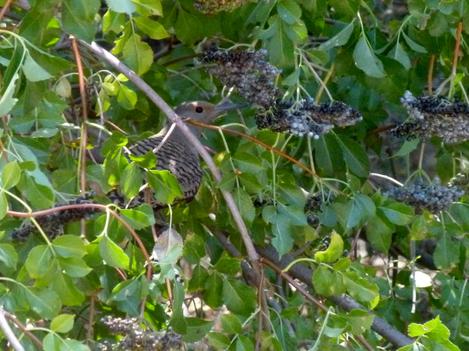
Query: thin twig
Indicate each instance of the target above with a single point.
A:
(24, 329)
(84, 127)
(293, 283)
(457, 48)
(431, 65)
(100, 207)
(92, 311)
(84, 113)
(5, 8)
(11, 337)
(173, 117)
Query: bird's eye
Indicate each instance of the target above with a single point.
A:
(199, 109)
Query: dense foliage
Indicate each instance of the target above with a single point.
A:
(350, 157)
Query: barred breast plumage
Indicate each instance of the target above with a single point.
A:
(175, 156)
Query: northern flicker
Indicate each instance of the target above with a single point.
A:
(173, 153)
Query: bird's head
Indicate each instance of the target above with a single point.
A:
(203, 111)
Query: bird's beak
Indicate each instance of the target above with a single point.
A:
(226, 105)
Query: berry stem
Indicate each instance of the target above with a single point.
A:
(431, 65)
(457, 48)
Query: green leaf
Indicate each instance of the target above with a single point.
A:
(45, 303)
(8, 255)
(231, 324)
(413, 45)
(131, 180)
(33, 71)
(39, 261)
(238, 297)
(113, 22)
(198, 279)
(418, 229)
(361, 208)
(399, 54)
(177, 321)
(213, 290)
(327, 282)
(289, 11)
(279, 46)
(168, 248)
(196, 329)
(366, 60)
(334, 250)
(245, 205)
(63, 323)
(361, 289)
(154, 6)
(153, 29)
(112, 253)
(282, 240)
(446, 252)
(407, 147)
(398, 213)
(137, 54)
(74, 267)
(69, 246)
(78, 18)
(359, 321)
(121, 6)
(139, 217)
(340, 38)
(67, 290)
(3, 204)
(218, 340)
(126, 97)
(228, 265)
(354, 156)
(379, 233)
(165, 185)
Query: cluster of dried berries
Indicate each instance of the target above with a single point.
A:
(134, 337)
(433, 197)
(210, 7)
(307, 118)
(53, 224)
(312, 207)
(434, 116)
(246, 70)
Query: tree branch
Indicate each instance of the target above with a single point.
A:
(100, 207)
(303, 273)
(173, 117)
(15, 343)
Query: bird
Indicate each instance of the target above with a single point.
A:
(173, 153)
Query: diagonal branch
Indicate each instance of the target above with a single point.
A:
(173, 117)
(270, 257)
(11, 337)
(304, 274)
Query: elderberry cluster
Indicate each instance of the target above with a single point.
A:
(246, 70)
(307, 118)
(433, 197)
(210, 7)
(434, 116)
(53, 224)
(312, 207)
(134, 337)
